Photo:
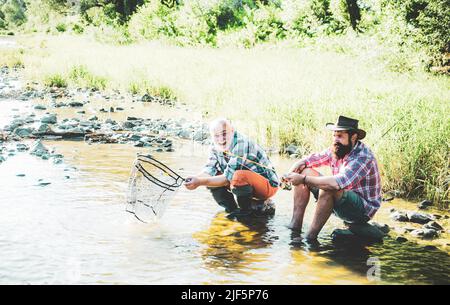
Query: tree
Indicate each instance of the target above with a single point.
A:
(354, 13)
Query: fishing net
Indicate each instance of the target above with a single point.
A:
(151, 187)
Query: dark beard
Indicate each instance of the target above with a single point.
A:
(340, 151)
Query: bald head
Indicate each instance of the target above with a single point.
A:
(219, 123)
(221, 133)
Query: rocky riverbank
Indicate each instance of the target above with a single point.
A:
(42, 119)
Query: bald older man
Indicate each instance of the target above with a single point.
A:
(240, 167)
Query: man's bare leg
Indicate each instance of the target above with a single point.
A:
(323, 211)
(301, 199)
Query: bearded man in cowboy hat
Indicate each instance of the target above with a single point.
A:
(353, 192)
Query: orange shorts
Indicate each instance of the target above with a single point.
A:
(261, 186)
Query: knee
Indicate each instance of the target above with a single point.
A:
(326, 194)
(240, 178)
(330, 194)
(310, 172)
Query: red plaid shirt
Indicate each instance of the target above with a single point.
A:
(357, 171)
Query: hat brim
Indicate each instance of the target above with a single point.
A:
(361, 133)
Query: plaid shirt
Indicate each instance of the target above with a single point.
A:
(242, 150)
(357, 171)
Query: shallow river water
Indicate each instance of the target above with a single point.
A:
(75, 230)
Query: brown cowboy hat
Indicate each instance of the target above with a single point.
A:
(344, 123)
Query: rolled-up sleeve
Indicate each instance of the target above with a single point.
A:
(322, 158)
(353, 171)
(231, 168)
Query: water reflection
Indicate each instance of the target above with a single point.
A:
(233, 244)
(407, 263)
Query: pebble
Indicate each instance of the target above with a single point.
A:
(401, 239)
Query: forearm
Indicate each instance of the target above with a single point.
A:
(327, 183)
(216, 181)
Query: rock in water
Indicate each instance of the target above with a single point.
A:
(367, 231)
(419, 217)
(49, 119)
(23, 132)
(425, 233)
(383, 228)
(424, 204)
(399, 216)
(342, 234)
(401, 239)
(76, 104)
(433, 225)
(38, 149)
(40, 107)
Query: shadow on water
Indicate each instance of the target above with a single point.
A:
(231, 243)
(406, 263)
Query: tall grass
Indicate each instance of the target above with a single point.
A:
(281, 95)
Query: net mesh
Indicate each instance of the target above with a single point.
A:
(151, 187)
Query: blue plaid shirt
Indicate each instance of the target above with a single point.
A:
(243, 155)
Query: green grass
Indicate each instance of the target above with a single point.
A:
(55, 80)
(80, 76)
(282, 94)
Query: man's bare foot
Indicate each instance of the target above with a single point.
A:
(294, 226)
(311, 237)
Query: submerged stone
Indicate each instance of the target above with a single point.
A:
(38, 149)
(401, 239)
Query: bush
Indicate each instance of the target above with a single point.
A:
(56, 80)
(2, 20)
(427, 22)
(13, 12)
(434, 24)
(152, 21)
(61, 27)
(81, 76)
(77, 28)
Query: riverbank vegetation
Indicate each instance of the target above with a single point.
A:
(279, 69)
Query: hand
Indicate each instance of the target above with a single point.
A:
(298, 167)
(191, 183)
(294, 178)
